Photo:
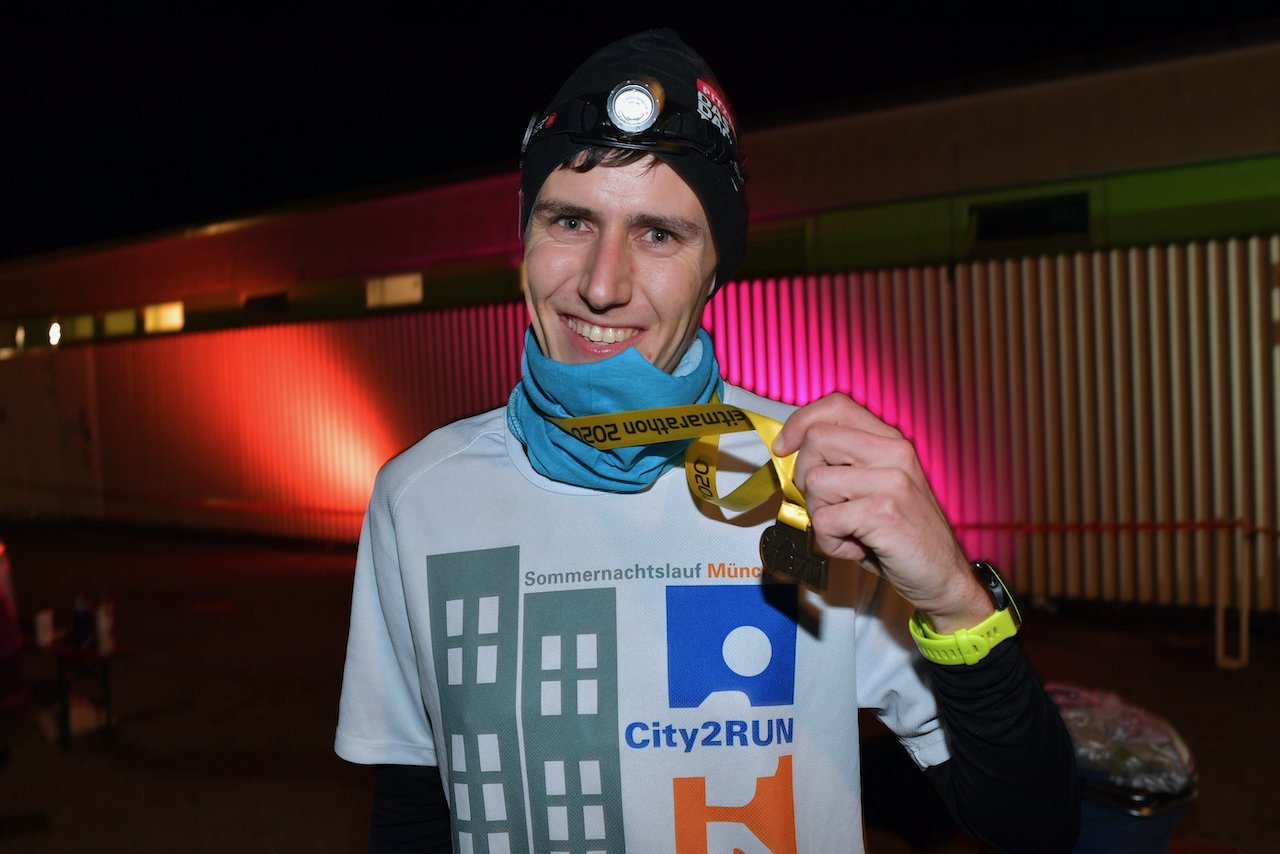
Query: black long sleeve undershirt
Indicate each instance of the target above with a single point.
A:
(410, 812)
(1011, 781)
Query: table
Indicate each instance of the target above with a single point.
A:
(75, 663)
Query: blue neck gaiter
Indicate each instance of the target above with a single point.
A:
(621, 383)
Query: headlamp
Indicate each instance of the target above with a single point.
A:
(636, 114)
(633, 105)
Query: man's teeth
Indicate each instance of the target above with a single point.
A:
(601, 334)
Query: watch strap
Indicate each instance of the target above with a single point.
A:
(965, 646)
(969, 646)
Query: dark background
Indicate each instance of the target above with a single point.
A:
(111, 128)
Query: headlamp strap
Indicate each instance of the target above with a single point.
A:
(676, 129)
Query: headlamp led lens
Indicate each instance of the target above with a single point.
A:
(633, 107)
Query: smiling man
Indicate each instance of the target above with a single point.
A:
(618, 257)
(560, 643)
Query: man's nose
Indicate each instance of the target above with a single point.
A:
(607, 281)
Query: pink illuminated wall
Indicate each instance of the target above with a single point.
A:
(278, 429)
(877, 337)
(282, 428)
(1096, 424)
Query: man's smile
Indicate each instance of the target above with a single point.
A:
(600, 334)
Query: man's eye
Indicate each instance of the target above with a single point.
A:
(659, 236)
(571, 222)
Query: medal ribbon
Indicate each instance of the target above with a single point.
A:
(702, 422)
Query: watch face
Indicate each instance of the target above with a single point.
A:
(996, 589)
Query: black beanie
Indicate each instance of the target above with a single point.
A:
(693, 132)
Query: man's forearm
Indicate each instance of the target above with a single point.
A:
(1011, 780)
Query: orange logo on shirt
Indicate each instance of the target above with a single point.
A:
(770, 815)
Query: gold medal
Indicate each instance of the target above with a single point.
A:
(786, 547)
(788, 552)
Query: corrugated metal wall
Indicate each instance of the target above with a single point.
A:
(1102, 425)
(276, 429)
(1136, 394)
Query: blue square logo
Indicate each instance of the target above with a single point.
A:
(731, 638)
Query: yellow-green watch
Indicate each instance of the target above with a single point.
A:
(969, 646)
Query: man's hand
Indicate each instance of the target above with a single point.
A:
(869, 501)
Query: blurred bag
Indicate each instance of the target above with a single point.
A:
(1122, 743)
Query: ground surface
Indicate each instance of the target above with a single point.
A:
(226, 714)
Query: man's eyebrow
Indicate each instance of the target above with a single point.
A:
(675, 224)
(557, 208)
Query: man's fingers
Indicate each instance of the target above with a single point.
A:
(869, 501)
(891, 534)
(829, 445)
(834, 409)
(891, 496)
(877, 506)
(856, 530)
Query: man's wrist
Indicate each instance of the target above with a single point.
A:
(961, 639)
(969, 605)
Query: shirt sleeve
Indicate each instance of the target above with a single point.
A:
(410, 813)
(1011, 781)
(893, 678)
(382, 719)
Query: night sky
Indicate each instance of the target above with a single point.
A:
(112, 129)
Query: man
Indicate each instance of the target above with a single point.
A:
(590, 656)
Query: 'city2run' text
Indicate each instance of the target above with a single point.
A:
(710, 734)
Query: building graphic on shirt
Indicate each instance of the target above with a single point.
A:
(529, 703)
(475, 643)
(570, 716)
(567, 708)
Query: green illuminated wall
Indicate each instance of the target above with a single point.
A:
(1227, 198)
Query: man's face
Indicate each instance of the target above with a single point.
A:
(617, 257)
